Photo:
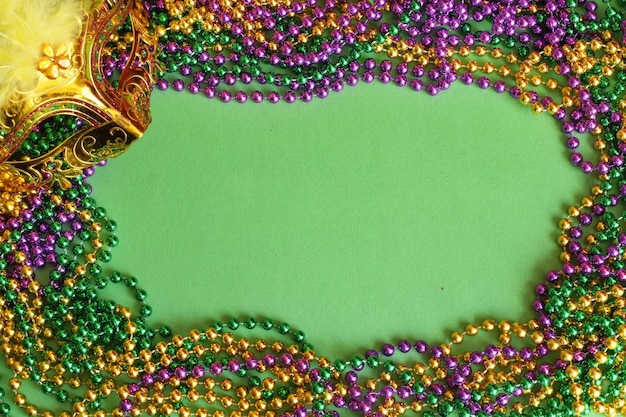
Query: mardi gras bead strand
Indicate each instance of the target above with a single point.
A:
(214, 372)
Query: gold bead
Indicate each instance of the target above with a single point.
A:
(489, 325)
(553, 344)
(567, 355)
(167, 409)
(595, 373)
(594, 391)
(182, 354)
(610, 343)
(129, 345)
(601, 357)
(572, 371)
(15, 384)
(565, 224)
(525, 99)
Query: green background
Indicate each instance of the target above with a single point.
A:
(374, 215)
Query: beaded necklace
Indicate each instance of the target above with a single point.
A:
(99, 358)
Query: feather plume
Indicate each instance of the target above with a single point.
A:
(25, 25)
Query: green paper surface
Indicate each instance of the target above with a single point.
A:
(374, 215)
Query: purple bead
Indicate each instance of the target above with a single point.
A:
(401, 80)
(241, 97)
(286, 359)
(404, 346)
(126, 405)
(194, 88)
(216, 368)
(370, 397)
(464, 394)
(576, 158)
(456, 379)
(509, 351)
(436, 351)
(351, 377)
(289, 97)
(354, 392)
(368, 76)
(164, 375)
(269, 360)
(302, 365)
(273, 97)
(387, 391)
(483, 82)
(180, 372)
(416, 85)
(573, 142)
(586, 167)
(209, 92)
(404, 392)
(322, 93)
(475, 358)
(491, 351)
(499, 86)
(451, 362)
(432, 90)
(224, 96)
(525, 353)
(421, 346)
(147, 379)
(257, 96)
(198, 371)
(467, 78)
(387, 349)
(306, 96)
(178, 85)
(438, 389)
(339, 402)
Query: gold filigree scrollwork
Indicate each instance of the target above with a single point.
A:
(83, 149)
(72, 83)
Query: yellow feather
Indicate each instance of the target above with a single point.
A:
(25, 25)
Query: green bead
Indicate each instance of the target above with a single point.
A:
(340, 365)
(299, 336)
(131, 282)
(105, 256)
(318, 405)
(62, 395)
(112, 241)
(110, 225)
(141, 295)
(372, 361)
(356, 361)
(233, 324)
(46, 387)
(165, 331)
(145, 311)
(325, 374)
(283, 328)
(389, 366)
(317, 388)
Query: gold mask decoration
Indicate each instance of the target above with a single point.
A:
(71, 82)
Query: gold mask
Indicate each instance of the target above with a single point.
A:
(72, 82)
